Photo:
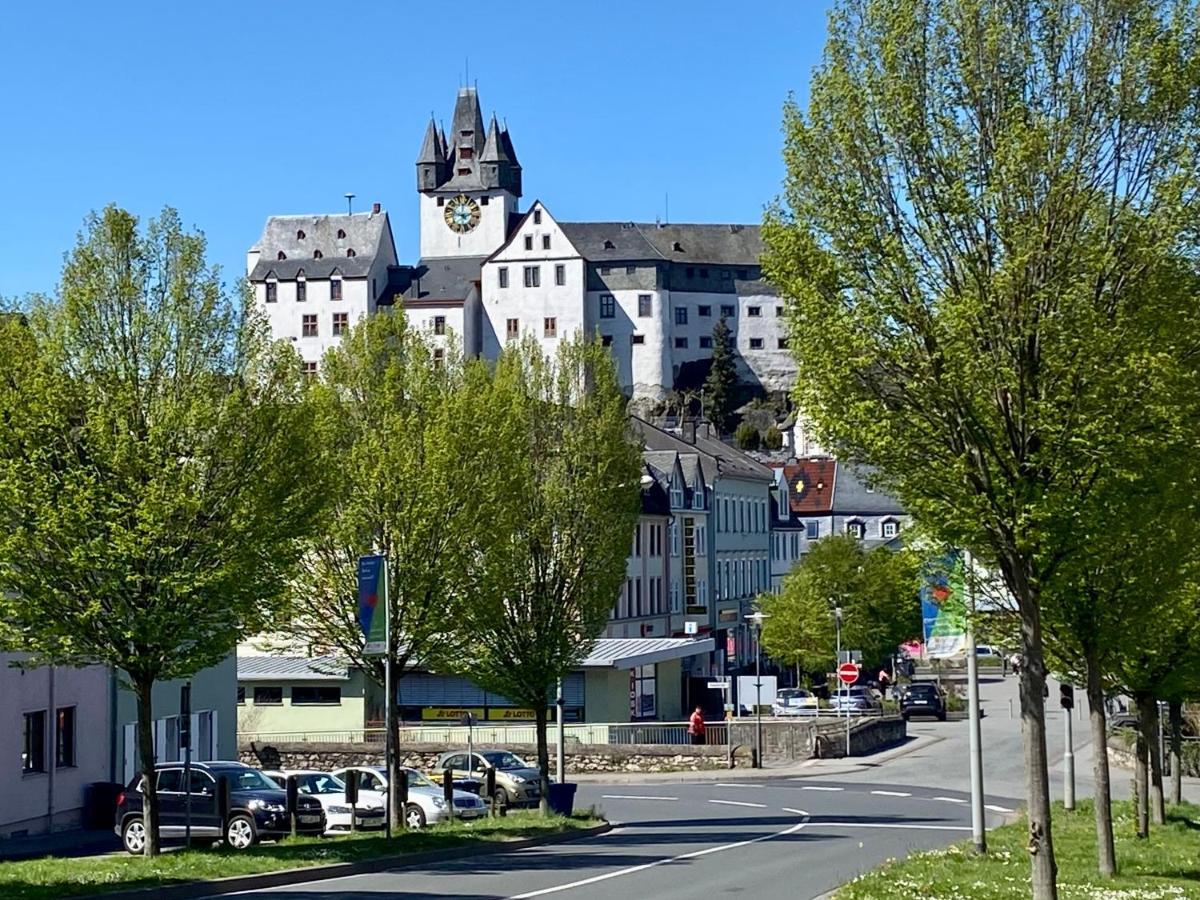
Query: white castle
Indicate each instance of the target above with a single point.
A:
(490, 272)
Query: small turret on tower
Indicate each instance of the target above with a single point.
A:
(431, 162)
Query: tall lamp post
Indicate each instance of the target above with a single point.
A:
(837, 621)
(756, 619)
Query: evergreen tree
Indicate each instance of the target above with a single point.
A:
(721, 382)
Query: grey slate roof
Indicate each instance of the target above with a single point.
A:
(625, 653)
(291, 668)
(716, 458)
(431, 147)
(716, 244)
(444, 278)
(851, 497)
(365, 234)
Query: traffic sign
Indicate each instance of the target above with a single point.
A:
(847, 673)
(718, 685)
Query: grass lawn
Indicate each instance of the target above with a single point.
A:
(1165, 866)
(44, 879)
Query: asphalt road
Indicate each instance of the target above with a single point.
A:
(778, 839)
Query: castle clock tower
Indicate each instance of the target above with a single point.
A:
(469, 183)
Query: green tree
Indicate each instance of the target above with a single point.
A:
(721, 382)
(392, 425)
(773, 439)
(747, 437)
(876, 590)
(982, 207)
(561, 493)
(156, 467)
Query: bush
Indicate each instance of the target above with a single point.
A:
(746, 437)
(773, 439)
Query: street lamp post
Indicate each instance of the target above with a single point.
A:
(837, 620)
(757, 619)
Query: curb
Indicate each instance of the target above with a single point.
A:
(283, 877)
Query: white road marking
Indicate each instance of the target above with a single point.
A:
(739, 803)
(891, 793)
(799, 812)
(659, 862)
(814, 787)
(739, 785)
(633, 797)
(893, 825)
(950, 799)
(999, 809)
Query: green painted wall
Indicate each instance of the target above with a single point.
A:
(349, 715)
(606, 694)
(669, 690)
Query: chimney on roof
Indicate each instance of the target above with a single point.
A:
(376, 209)
(688, 430)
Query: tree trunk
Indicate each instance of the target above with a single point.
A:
(1176, 713)
(543, 751)
(144, 688)
(1148, 719)
(1106, 857)
(393, 761)
(1141, 764)
(1033, 737)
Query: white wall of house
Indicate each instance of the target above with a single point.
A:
(286, 314)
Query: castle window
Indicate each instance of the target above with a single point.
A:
(441, 202)
(310, 371)
(464, 171)
(439, 357)
(677, 247)
(439, 324)
(512, 328)
(609, 245)
(706, 342)
(705, 311)
(545, 242)
(779, 310)
(560, 274)
(782, 342)
(529, 242)
(756, 343)
(645, 304)
(272, 291)
(281, 255)
(681, 315)
(483, 201)
(608, 306)
(317, 254)
(301, 291)
(466, 152)
(309, 326)
(533, 276)
(341, 323)
(503, 270)
(537, 217)
(350, 252)
(335, 289)
(550, 327)
(342, 231)
(300, 235)
(754, 311)
(680, 343)
(637, 339)
(631, 270)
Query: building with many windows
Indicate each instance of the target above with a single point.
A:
(490, 272)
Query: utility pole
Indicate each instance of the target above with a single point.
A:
(844, 706)
(1066, 699)
(978, 833)
(757, 619)
(560, 770)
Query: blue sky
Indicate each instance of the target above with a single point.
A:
(235, 111)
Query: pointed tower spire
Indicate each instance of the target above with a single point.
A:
(431, 161)
(493, 150)
(442, 138)
(467, 126)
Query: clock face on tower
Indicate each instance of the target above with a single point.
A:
(462, 214)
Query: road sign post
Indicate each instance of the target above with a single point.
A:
(373, 618)
(723, 684)
(847, 673)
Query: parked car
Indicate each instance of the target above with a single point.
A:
(426, 803)
(257, 807)
(922, 698)
(794, 702)
(983, 651)
(331, 792)
(517, 782)
(856, 698)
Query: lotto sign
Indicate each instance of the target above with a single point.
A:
(372, 603)
(848, 673)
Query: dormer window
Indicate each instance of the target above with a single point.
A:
(677, 247)
(889, 528)
(697, 498)
(350, 252)
(856, 528)
(281, 255)
(676, 494)
(300, 235)
(342, 232)
(272, 291)
(317, 254)
(466, 152)
(609, 245)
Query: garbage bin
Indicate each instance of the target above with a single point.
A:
(100, 804)
(562, 798)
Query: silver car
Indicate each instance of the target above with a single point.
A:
(426, 802)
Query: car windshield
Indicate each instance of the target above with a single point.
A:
(502, 759)
(248, 780)
(791, 694)
(319, 783)
(921, 689)
(420, 779)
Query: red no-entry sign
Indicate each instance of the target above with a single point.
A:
(848, 673)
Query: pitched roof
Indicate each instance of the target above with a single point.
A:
(366, 234)
(852, 495)
(810, 485)
(716, 458)
(626, 653)
(291, 668)
(434, 278)
(431, 148)
(690, 243)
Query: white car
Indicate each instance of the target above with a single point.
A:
(426, 802)
(794, 702)
(330, 791)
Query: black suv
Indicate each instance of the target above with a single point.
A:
(922, 699)
(257, 807)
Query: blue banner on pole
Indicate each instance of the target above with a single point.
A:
(372, 602)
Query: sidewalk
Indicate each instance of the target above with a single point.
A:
(73, 842)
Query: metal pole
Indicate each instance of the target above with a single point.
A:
(1069, 765)
(758, 696)
(560, 769)
(976, 744)
(387, 705)
(185, 716)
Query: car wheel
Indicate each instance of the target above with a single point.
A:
(414, 817)
(942, 716)
(240, 833)
(904, 716)
(133, 836)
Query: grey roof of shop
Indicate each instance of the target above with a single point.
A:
(365, 233)
(292, 668)
(625, 653)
